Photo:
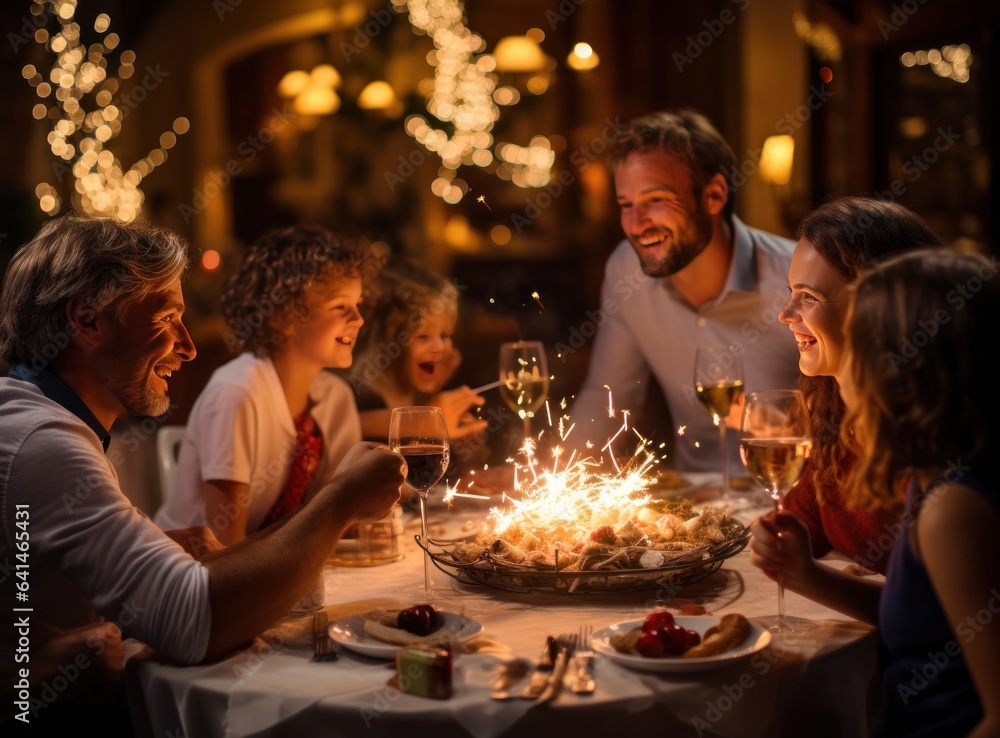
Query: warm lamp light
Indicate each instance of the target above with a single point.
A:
(377, 95)
(582, 58)
(316, 100)
(325, 74)
(519, 54)
(293, 83)
(776, 159)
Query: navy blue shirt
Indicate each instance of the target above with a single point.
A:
(927, 687)
(53, 387)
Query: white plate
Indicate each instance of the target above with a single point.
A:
(756, 640)
(350, 634)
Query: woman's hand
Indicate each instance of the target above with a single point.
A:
(788, 555)
(456, 405)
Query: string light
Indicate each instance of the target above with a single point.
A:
(951, 62)
(464, 95)
(84, 119)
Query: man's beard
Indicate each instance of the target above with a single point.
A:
(685, 248)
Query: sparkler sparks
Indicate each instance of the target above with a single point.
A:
(482, 199)
(577, 498)
(537, 299)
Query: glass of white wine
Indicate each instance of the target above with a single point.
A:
(524, 375)
(718, 382)
(419, 434)
(774, 446)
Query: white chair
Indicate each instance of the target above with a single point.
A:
(168, 451)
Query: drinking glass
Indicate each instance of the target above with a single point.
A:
(774, 446)
(419, 434)
(718, 382)
(524, 375)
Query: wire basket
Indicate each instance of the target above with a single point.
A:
(488, 571)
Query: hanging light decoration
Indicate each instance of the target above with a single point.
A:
(79, 99)
(463, 98)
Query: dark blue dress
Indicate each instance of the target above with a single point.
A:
(926, 686)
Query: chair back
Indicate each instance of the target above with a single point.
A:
(168, 451)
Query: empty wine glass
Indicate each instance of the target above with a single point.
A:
(524, 375)
(774, 446)
(419, 434)
(718, 383)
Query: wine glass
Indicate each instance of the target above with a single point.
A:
(718, 383)
(774, 446)
(525, 379)
(419, 434)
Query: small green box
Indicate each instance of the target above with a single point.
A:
(424, 671)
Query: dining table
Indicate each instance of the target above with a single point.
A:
(821, 680)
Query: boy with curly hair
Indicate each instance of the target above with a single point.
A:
(271, 425)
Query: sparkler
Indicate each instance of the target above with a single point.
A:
(489, 386)
(482, 199)
(538, 300)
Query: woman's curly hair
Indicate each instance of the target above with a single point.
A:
(277, 274)
(851, 235)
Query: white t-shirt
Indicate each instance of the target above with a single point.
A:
(83, 545)
(241, 430)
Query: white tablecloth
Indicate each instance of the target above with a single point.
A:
(818, 683)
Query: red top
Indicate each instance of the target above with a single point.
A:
(308, 451)
(866, 537)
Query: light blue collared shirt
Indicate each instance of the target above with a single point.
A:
(651, 332)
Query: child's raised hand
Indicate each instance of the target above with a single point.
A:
(455, 405)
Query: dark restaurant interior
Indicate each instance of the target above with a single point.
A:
(849, 86)
(229, 118)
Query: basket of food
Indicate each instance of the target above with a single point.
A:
(639, 544)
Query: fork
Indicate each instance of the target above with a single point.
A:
(324, 647)
(583, 682)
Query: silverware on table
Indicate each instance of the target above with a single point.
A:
(567, 644)
(511, 672)
(583, 659)
(324, 647)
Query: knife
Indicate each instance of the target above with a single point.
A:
(542, 673)
(555, 680)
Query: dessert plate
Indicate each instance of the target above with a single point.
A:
(350, 633)
(756, 640)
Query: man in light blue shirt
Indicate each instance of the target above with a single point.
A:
(689, 274)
